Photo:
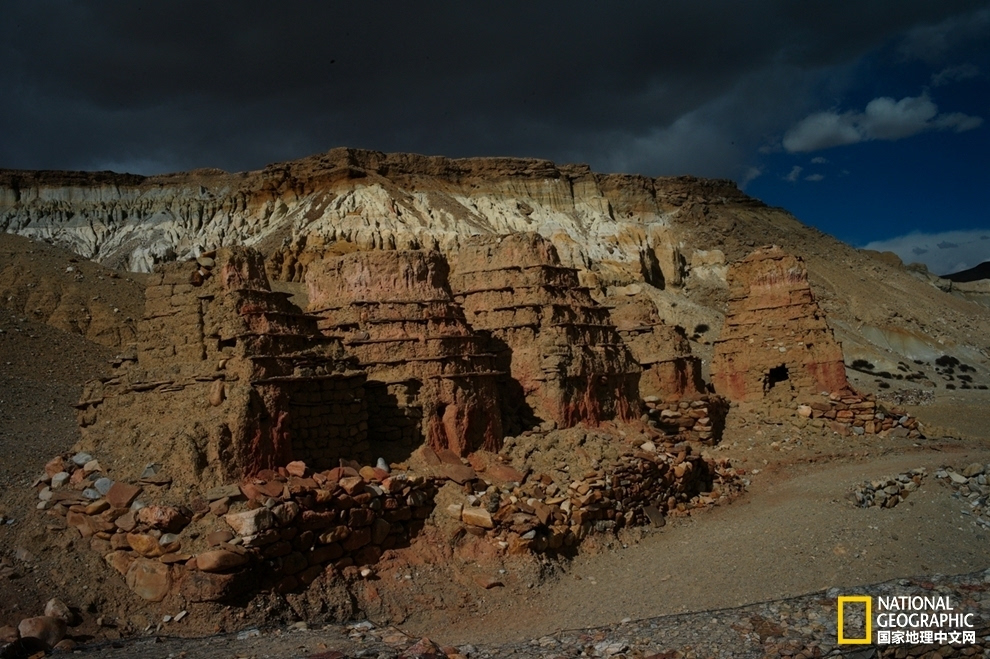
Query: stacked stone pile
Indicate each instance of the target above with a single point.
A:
(280, 530)
(552, 512)
(887, 492)
(850, 413)
(702, 419)
(566, 360)
(430, 376)
(971, 485)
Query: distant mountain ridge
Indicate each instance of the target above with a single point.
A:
(975, 273)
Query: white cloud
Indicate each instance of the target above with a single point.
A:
(955, 74)
(958, 122)
(886, 119)
(883, 119)
(814, 178)
(749, 176)
(795, 173)
(822, 130)
(943, 253)
(818, 160)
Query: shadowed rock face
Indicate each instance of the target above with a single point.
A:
(774, 332)
(567, 362)
(430, 376)
(228, 378)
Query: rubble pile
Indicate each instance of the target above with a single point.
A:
(888, 492)
(236, 377)
(279, 530)
(581, 482)
(971, 485)
(566, 360)
(430, 376)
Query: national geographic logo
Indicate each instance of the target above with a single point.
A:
(868, 617)
(903, 619)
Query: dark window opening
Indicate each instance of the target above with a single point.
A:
(775, 375)
(227, 343)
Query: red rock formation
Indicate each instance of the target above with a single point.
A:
(228, 378)
(566, 360)
(670, 371)
(429, 374)
(775, 336)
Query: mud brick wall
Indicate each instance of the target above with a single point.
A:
(566, 360)
(775, 341)
(431, 377)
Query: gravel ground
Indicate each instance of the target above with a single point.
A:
(799, 627)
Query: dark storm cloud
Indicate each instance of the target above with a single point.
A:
(654, 87)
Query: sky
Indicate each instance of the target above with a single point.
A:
(868, 120)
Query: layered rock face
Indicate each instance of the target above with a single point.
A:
(775, 339)
(671, 383)
(670, 371)
(374, 200)
(430, 376)
(229, 375)
(567, 362)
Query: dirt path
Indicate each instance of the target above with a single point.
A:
(785, 538)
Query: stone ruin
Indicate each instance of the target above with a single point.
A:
(662, 350)
(775, 343)
(671, 384)
(564, 361)
(430, 375)
(385, 361)
(228, 378)
(265, 414)
(776, 351)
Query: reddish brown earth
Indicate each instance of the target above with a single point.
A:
(230, 380)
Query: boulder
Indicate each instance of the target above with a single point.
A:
(47, 629)
(150, 580)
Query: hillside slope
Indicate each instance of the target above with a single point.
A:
(673, 234)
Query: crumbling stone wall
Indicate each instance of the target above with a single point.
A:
(567, 363)
(775, 343)
(228, 378)
(430, 376)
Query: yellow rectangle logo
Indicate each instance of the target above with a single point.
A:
(857, 599)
